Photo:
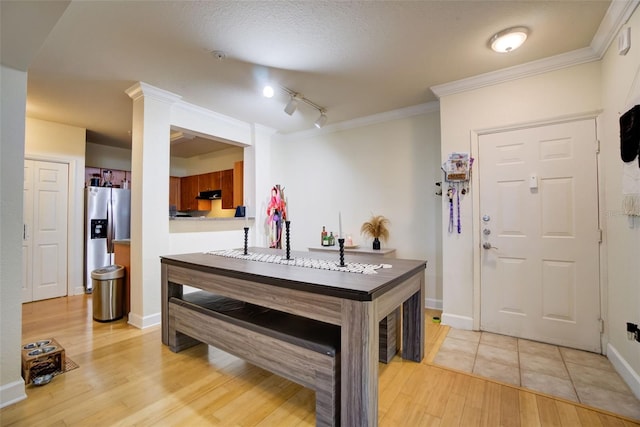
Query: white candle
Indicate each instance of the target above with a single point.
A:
(246, 215)
(339, 224)
(286, 208)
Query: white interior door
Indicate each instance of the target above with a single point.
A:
(27, 241)
(46, 236)
(540, 234)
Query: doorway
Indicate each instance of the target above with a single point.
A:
(539, 234)
(44, 242)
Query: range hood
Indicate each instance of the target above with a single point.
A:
(210, 195)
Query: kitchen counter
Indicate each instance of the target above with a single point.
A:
(203, 224)
(207, 218)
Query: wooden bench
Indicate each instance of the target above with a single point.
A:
(302, 350)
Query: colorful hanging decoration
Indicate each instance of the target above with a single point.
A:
(276, 215)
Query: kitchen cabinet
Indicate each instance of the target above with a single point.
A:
(226, 184)
(122, 256)
(190, 186)
(189, 190)
(238, 184)
(174, 191)
(209, 181)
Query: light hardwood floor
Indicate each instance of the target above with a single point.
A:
(127, 377)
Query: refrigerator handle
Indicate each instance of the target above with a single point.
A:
(110, 226)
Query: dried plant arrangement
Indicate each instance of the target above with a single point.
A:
(376, 228)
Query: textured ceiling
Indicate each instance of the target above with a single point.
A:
(354, 58)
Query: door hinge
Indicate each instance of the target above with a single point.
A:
(600, 235)
(601, 322)
(597, 146)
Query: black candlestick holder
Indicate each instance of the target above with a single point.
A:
(341, 243)
(287, 224)
(246, 240)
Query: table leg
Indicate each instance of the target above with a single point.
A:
(413, 326)
(359, 364)
(389, 336)
(167, 290)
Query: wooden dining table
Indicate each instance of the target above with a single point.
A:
(354, 301)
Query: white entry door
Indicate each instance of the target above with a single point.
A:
(45, 230)
(540, 235)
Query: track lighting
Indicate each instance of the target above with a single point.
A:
(294, 101)
(322, 120)
(292, 105)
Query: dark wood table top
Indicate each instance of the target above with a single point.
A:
(355, 286)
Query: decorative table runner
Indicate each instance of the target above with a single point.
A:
(350, 267)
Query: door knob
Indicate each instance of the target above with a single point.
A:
(487, 245)
(486, 231)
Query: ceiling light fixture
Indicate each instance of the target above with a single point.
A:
(267, 92)
(291, 106)
(294, 101)
(508, 40)
(322, 120)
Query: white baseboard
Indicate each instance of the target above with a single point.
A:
(141, 322)
(432, 303)
(12, 393)
(624, 369)
(458, 322)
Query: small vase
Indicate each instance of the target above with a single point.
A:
(376, 244)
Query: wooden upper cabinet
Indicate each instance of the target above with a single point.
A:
(209, 181)
(226, 181)
(238, 184)
(174, 191)
(188, 187)
(189, 190)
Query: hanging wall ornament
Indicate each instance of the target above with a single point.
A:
(457, 170)
(629, 151)
(630, 135)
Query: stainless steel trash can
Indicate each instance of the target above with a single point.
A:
(108, 289)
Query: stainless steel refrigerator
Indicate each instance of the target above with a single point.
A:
(107, 217)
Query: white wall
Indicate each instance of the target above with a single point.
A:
(385, 169)
(102, 156)
(555, 94)
(572, 91)
(13, 105)
(56, 142)
(210, 162)
(620, 91)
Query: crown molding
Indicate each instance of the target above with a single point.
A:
(142, 89)
(529, 69)
(400, 113)
(617, 15)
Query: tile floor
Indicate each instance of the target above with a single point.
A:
(575, 375)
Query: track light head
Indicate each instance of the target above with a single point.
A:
(322, 120)
(291, 106)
